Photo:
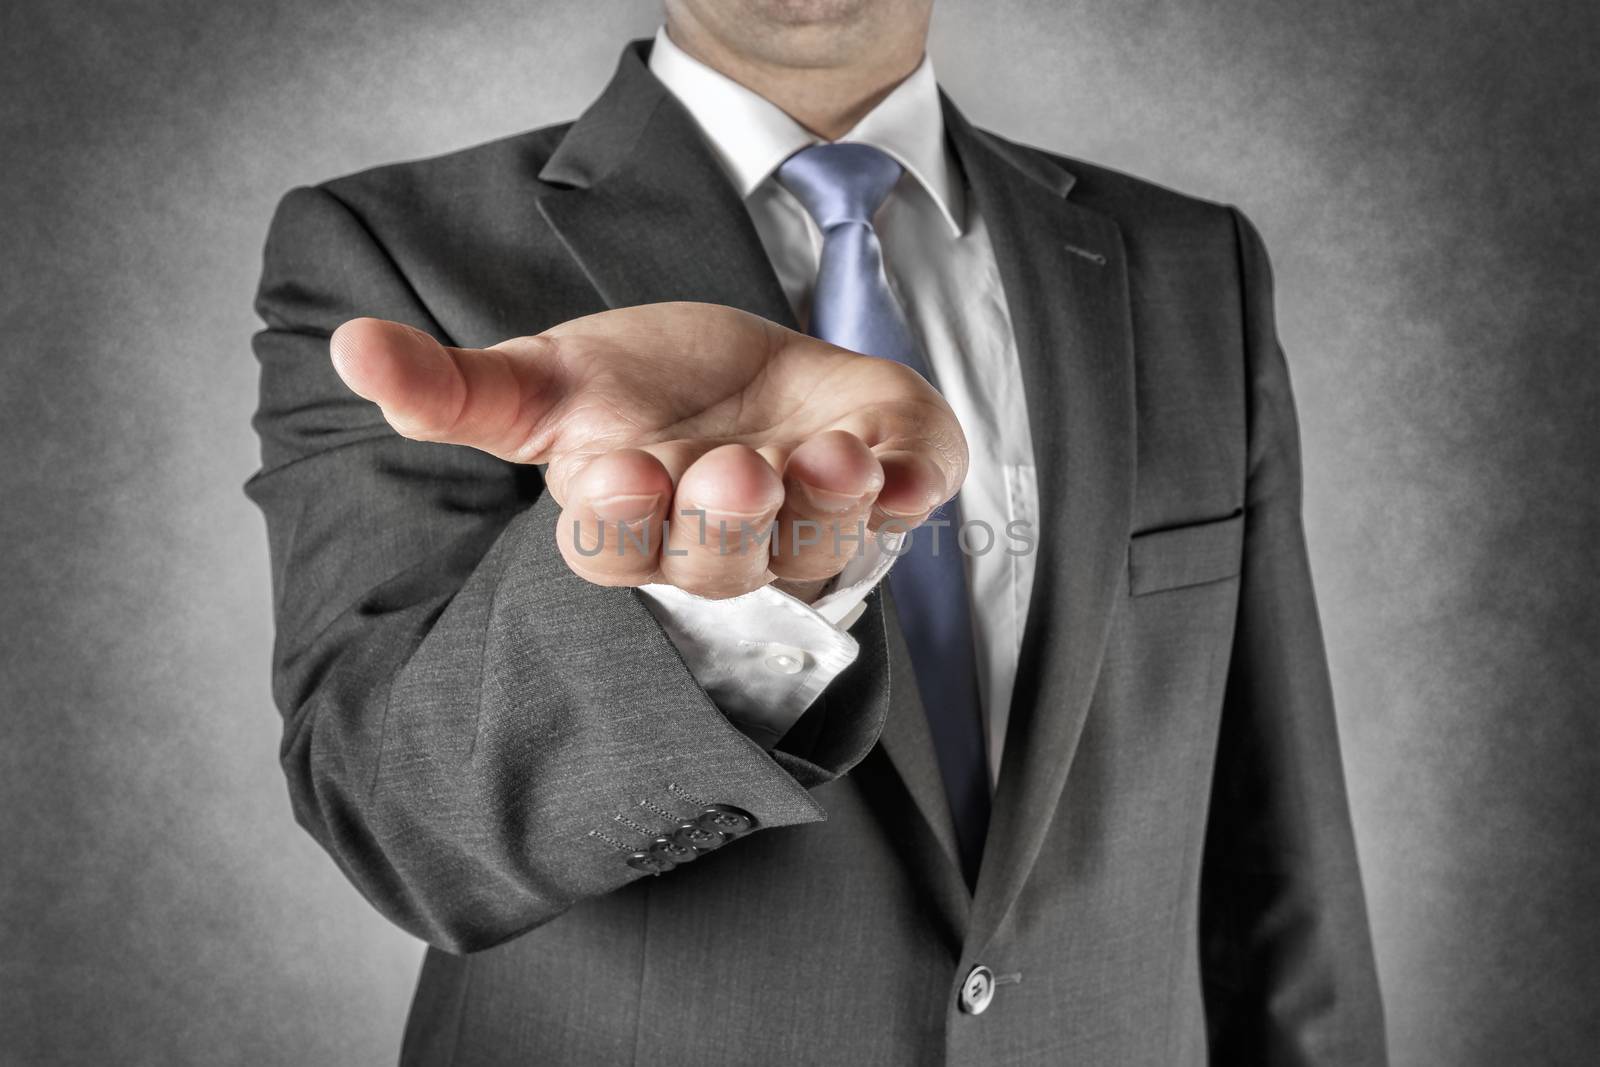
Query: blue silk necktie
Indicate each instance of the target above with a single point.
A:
(842, 186)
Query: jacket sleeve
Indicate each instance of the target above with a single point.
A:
(1286, 949)
(477, 737)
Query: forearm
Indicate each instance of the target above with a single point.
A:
(464, 757)
(1286, 947)
(465, 718)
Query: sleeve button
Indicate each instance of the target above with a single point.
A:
(650, 863)
(700, 838)
(727, 820)
(671, 851)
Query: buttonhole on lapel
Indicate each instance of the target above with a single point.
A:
(1093, 257)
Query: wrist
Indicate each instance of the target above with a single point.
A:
(807, 592)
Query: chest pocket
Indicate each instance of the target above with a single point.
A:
(1182, 556)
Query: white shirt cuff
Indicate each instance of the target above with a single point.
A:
(766, 656)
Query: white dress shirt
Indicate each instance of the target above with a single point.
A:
(765, 657)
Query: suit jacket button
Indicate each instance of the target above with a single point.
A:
(727, 820)
(976, 991)
(700, 838)
(668, 849)
(650, 863)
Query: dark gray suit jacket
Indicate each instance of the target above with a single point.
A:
(481, 740)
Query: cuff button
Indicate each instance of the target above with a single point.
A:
(727, 820)
(783, 659)
(700, 838)
(650, 863)
(671, 851)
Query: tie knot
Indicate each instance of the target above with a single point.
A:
(839, 183)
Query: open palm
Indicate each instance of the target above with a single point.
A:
(706, 415)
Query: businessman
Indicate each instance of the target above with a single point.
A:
(771, 573)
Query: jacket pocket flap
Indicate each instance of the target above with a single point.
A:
(1186, 555)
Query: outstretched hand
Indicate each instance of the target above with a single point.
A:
(712, 418)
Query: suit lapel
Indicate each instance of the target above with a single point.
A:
(1065, 280)
(647, 211)
(908, 743)
(649, 215)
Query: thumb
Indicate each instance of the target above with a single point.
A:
(491, 399)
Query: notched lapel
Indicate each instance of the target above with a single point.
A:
(648, 212)
(650, 216)
(1065, 278)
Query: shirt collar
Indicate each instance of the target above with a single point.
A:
(752, 136)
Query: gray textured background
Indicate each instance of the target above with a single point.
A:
(1425, 174)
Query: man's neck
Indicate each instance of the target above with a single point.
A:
(827, 100)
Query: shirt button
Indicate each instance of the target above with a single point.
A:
(782, 659)
(977, 991)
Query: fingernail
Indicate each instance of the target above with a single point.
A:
(627, 507)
